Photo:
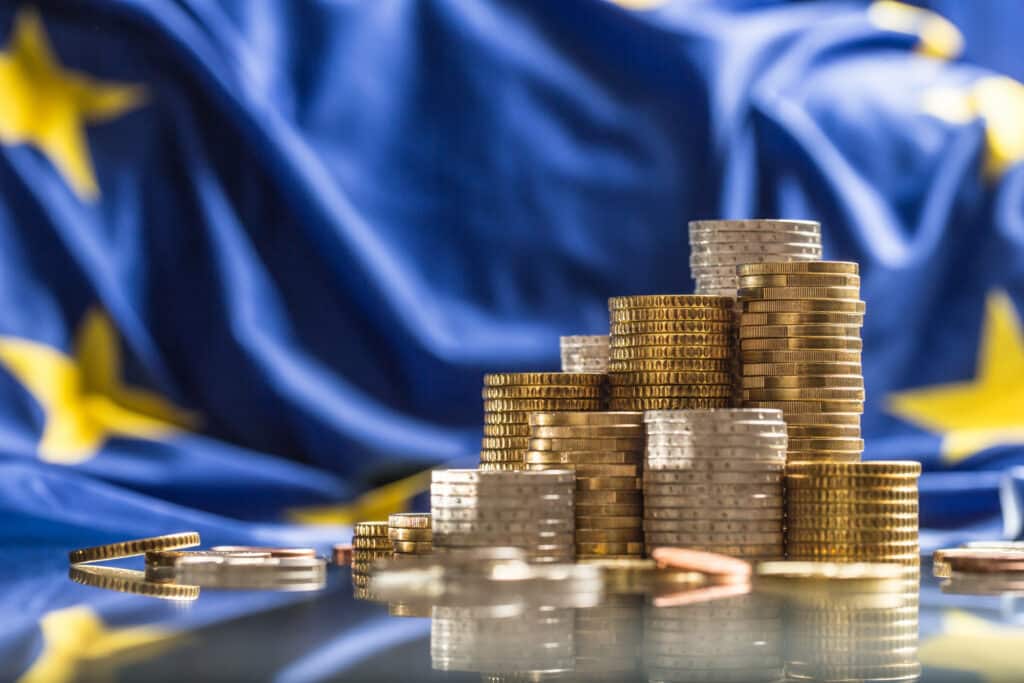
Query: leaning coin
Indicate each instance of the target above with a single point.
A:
(114, 551)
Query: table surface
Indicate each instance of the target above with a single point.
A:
(58, 630)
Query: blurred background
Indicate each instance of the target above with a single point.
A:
(255, 257)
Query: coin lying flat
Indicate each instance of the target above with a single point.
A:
(113, 551)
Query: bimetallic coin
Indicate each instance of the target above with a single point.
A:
(720, 465)
(818, 406)
(851, 343)
(657, 492)
(628, 548)
(794, 247)
(799, 293)
(659, 440)
(827, 444)
(668, 301)
(609, 522)
(748, 320)
(586, 419)
(607, 483)
(825, 267)
(608, 497)
(773, 369)
(804, 382)
(416, 547)
(500, 515)
(685, 539)
(563, 378)
(672, 477)
(612, 510)
(471, 476)
(570, 459)
(532, 492)
(787, 280)
(747, 331)
(114, 551)
(803, 305)
(800, 356)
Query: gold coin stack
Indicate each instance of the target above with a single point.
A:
(370, 542)
(510, 397)
(411, 534)
(605, 451)
(800, 349)
(585, 353)
(853, 511)
(670, 351)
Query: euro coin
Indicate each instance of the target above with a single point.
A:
(801, 319)
(826, 267)
(772, 369)
(586, 444)
(409, 520)
(868, 511)
(130, 581)
(663, 378)
(827, 444)
(698, 440)
(543, 404)
(560, 378)
(607, 470)
(800, 293)
(413, 547)
(668, 301)
(799, 280)
(653, 478)
(677, 403)
(140, 546)
(521, 429)
(505, 442)
(903, 494)
(697, 489)
(777, 331)
(674, 515)
(578, 458)
(371, 543)
(839, 521)
(695, 526)
(869, 468)
(801, 343)
(701, 327)
(608, 497)
(371, 528)
(588, 548)
(801, 356)
(804, 382)
(722, 465)
(608, 522)
(803, 305)
(502, 456)
(824, 431)
(545, 391)
(823, 418)
(410, 534)
(724, 497)
(612, 510)
(746, 251)
(686, 539)
(672, 391)
(621, 341)
(819, 406)
(588, 431)
(646, 365)
(639, 315)
(669, 350)
(607, 483)
(609, 535)
(855, 535)
(587, 419)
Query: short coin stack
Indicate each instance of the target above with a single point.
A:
(853, 512)
(605, 451)
(370, 542)
(800, 349)
(533, 511)
(411, 534)
(585, 353)
(714, 481)
(510, 397)
(670, 351)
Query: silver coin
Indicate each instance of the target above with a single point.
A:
(472, 476)
(713, 430)
(793, 246)
(732, 452)
(544, 504)
(670, 477)
(714, 415)
(803, 252)
(518, 540)
(711, 514)
(525, 493)
(719, 465)
(699, 490)
(697, 441)
(492, 516)
(692, 526)
(714, 271)
(712, 239)
(767, 224)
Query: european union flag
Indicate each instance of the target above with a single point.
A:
(254, 257)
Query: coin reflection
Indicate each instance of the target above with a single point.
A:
(131, 581)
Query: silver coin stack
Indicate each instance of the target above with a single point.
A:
(534, 511)
(585, 353)
(734, 639)
(714, 481)
(718, 247)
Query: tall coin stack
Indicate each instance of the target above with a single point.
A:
(800, 348)
(533, 511)
(510, 397)
(670, 351)
(585, 353)
(370, 542)
(853, 511)
(714, 481)
(411, 534)
(605, 451)
(717, 247)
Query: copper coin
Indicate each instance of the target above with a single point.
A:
(700, 561)
(343, 554)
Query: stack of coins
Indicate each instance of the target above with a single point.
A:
(509, 398)
(717, 247)
(605, 450)
(533, 511)
(853, 512)
(800, 348)
(670, 352)
(370, 542)
(411, 534)
(608, 638)
(585, 353)
(714, 481)
(732, 639)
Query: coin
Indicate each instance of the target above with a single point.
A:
(502, 456)
(721, 465)
(838, 319)
(668, 301)
(869, 468)
(544, 391)
(668, 351)
(504, 442)
(861, 550)
(751, 369)
(638, 315)
(413, 546)
(645, 365)
(563, 378)
(803, 382)
(526, 404)
(799, 293)
(501, 488)
(671, 391)
(747, 331)
(371, 543)
(507, 417)
(826, 418)
(838, 510)
(901, 494)
(609, 535)
(114, 551)
(713, 514)
(730, 416)
(607, 470)
(827, 444)
(819, 406)
(709, 497)
(803, 305)
(842, 267)
(342, 554)
(608, 497)
(587, 419)
(397, 534)
(586, 444)
(702, 327)
(588, 548)
(669, 339)
(800, 356)
(755, 249)
(840, 521)
(588, 431)
(716, 440)
(632, 521)
(130, 581)
(521, 429)
(696, 526)
(802, 343)
(709, 489)
(685, 539)
(613, 510)
(510, 515)
(853, 535)
(666, 403)
(583, 457)
(607, 483)
(827, 570)
(787, 280)
(982, 561)
(663, 378)
(706, 563)
(663, 480)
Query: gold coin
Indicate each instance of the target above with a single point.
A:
(803, 382)
(649, 378)
(798, 267)
(509, 455)
(808, 394)
(673, 390)
(609, 535)
(416, 547)
(751, 369)
(669, 301)
(507, 417)
(904, 494)
(371, 543)
(608, 497)
(696, 340)
(584, 457)
(587, 431)
(669, 352)
(786, 319)
(820, 456)
(864, 549)
(608, 483)
(852, 535)
(642, 315)
(852, 483)
(130, 581)
(834, 520)
(561, 378)
(672, 327)
(804, 444)
(651, 365)
(370, 528)
(139, 546)
(506, 430)
(585, 444)
(823, 431)
(869, 468)
(795, 343)
(680, 403)
(589, 470)
(800, 356)
(594, 418)
(797, 280)
(799, 293)
(610, 511)
(411, 534)
(410, 520)
(772, 331)
(803, 306)
(788, 407)
(501, 467)
(541, 391)
(587, 548)
(504, 442)
(532, 404)
(831, 418)
(632, 521)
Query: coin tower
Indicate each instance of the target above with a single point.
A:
(411, 534)
(510, 397)
(605, 451)
(585, 353)
(370, 542)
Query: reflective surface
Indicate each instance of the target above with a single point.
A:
(60, 630)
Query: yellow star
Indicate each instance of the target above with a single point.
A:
(45, 105)
(969, 643)
(986, 411)
(82, 398)
(77, 635)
